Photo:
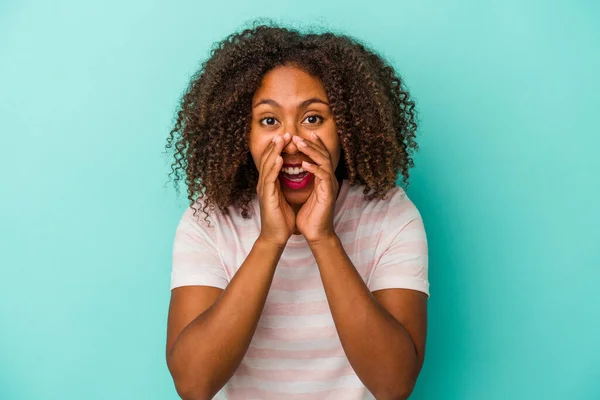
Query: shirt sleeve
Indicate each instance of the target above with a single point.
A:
(196, 259)
(404, 261)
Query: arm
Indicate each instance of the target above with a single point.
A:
(383, 334)
(210, 329)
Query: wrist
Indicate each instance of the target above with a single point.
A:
(266, 244)
(324, 242)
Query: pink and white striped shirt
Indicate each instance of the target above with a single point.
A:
(295, 353)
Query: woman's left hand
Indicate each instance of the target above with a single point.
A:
(315, 218)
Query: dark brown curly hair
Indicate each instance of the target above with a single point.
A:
(373, 113)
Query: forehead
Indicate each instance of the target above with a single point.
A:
(289, 84)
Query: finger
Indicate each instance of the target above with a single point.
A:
(265, 155)
(314, 138)
(262, 163)
(272, 157)
(273, 174)
(317, 155)
(318, 143)
(275, 148)
(317, 171)
(315, 145)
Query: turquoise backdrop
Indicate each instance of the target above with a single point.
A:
(507, 181)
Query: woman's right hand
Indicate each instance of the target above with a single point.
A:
(277, 218)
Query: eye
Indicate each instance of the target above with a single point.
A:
(313, 118)
(270, 121)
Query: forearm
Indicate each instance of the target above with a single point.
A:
(209, 350)
(379, 348)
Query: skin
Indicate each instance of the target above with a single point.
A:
(209, 330)
(291, 105)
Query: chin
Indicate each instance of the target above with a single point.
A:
(296, 197)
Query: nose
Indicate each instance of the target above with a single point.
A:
(291, 147)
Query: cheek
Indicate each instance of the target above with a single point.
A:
(331, 140)
(257, 148)
(334, 148)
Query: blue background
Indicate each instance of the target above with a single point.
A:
(506, 180)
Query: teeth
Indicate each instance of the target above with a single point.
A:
(293, 171)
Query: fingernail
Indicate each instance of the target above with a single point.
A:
(276, 139)
(314, 135)
(301, 142)
(286, 135)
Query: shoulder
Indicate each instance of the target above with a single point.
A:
(399, 208)
(394, 208)
(211, 221)
(194, 222)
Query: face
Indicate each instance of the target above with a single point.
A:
(290, 100)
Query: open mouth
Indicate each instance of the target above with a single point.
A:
(294, 178)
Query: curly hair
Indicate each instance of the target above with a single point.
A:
(373, 113)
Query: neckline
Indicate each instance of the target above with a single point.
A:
(339, 202)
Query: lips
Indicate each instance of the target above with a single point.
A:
(295, 177)
(298, 181)
(295, 184)
(293, 171)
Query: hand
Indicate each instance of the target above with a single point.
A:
(277, 219)
(315, 218)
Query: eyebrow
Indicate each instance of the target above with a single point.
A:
(301, 105)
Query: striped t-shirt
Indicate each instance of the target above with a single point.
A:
(295, 352)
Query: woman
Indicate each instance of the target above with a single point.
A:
(306, 277)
